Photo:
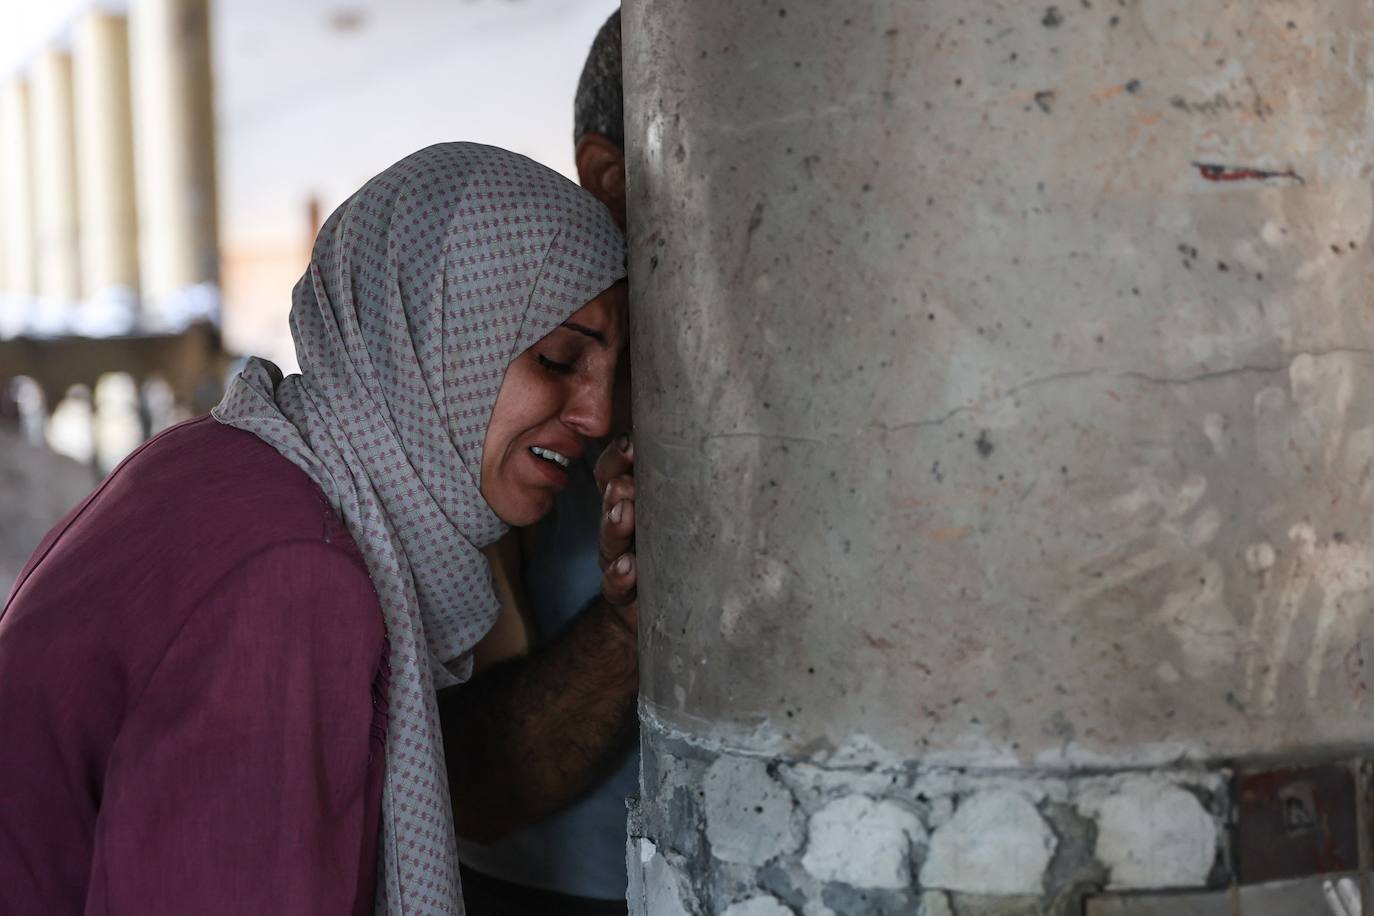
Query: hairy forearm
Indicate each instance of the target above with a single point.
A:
(529, 735)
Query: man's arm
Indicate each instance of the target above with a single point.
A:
(529, 735)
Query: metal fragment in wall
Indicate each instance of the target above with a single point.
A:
(1296, 822)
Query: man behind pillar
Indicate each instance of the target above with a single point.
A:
(574, 861)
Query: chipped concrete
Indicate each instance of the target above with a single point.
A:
(995, 843)
(638, 852)
(867, 901)
(1074, 872)
(863, 842)
(866, 841)
(750, 816)
(934, 903)
(1151, 834)
(657, 886)
(759, 906)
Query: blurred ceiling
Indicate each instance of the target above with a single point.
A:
(315, 96)
(319, 96)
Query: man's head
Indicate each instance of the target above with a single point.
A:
(599, 121)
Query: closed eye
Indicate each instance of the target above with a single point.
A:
(559, 368)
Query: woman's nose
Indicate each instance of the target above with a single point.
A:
(590, 406)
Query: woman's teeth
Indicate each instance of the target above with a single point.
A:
(550, 455)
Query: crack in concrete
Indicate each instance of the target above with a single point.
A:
(780, 437)
(1132, 375)
(1070, 375)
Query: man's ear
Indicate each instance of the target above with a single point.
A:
(601, 170)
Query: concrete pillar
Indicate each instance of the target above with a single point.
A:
(174, 129)
(16, 207)
(109, 223)
(56, 209)
(1002, 390)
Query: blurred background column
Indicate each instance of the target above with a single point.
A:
(174, 130)
(109, 225)
(55, 185)
(16, 207)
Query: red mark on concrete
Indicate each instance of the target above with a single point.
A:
(1354, 669)
(878, 642)
(1215, 172)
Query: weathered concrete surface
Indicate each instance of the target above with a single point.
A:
(1151, 834)
(1000, 379)
(878, 856)
(996, 842)
(879, 841)
(981, 406)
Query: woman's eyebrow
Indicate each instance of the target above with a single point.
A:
(583, 329)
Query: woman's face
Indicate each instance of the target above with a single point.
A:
(555, 396)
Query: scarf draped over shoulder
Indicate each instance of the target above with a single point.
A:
(422, 288)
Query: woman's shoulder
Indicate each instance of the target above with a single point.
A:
(186, 509)
(202, 477)
(205, 531)
(219, 460)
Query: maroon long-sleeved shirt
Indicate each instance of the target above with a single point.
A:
(193, 695)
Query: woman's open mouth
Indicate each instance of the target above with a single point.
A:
(550, 455)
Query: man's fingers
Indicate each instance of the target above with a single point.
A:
(617, 528)
(620, 579)
(616, 459)
(617, 490)
(617, 531)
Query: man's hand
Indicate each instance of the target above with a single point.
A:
(615, 545)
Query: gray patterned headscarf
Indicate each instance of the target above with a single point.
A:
(421, 289)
